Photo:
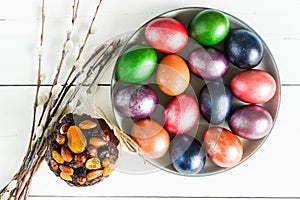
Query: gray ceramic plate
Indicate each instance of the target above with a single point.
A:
(268, 64)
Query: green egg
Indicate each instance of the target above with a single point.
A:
(209, 27)
(136, 64)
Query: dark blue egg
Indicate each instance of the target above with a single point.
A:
(215, 101)
(187, 155)
(244, 49)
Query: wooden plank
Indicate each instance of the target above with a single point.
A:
(275, 162)
(276, 158)
(19, 35)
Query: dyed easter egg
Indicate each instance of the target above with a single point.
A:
(215, 101)
(208, 63)
(136, 64)
(187, 154)
(181, 114)
(253, 86)
(223, 147)
(209, 27)
(251, 122)
(135, 101)
(244, 49)
(166, 35)
(152, 138)
(172, 75)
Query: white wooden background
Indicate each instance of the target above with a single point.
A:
(273, 171)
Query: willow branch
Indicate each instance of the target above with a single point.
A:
(38, 83)
(98, 65)
(50, 107)
(25, 160)
(20, 183)
(31, 171)
(62, 92)
(62, 59)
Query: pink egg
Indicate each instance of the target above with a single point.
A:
(253, 86)
(181, 114)
(166, 35)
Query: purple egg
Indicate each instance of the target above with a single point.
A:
(251, 122)
(135, 101)
(208, 63)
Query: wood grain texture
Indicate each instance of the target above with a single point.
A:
(271, 172)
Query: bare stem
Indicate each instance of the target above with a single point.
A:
(47, 104)
(63, 56)
(40, 55)
(75, 10)
(89, 31)
(32, 135)
(62, 92)
(32, 170)
(98, 65)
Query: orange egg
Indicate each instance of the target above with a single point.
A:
(153, 139)
(172, 75)
(223, 147)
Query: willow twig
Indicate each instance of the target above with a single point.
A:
(40, 158)
(39, 151)
(29, 166)
(75, 10)
(41, 140)
(6, 189)
(20, 183)
(62, 59)
(40, 55)
(98, 65)
(78, 56)
(23, 183)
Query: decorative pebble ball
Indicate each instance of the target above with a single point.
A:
(244, 49)
(172, 75)
(135, 101)
(208, 63)
(136, 64)
(252, 122)
(166, 35)
(187, 154)
(82, 150)
(209, 27)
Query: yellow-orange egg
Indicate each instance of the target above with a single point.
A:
(153, 139)
(172, 75)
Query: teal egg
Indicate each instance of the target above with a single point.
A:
(136, 64)
(209, 27)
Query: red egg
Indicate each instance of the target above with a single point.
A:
(253, 86)
(166, 35)
(153, 139)
(223, 147)
(181, 114)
